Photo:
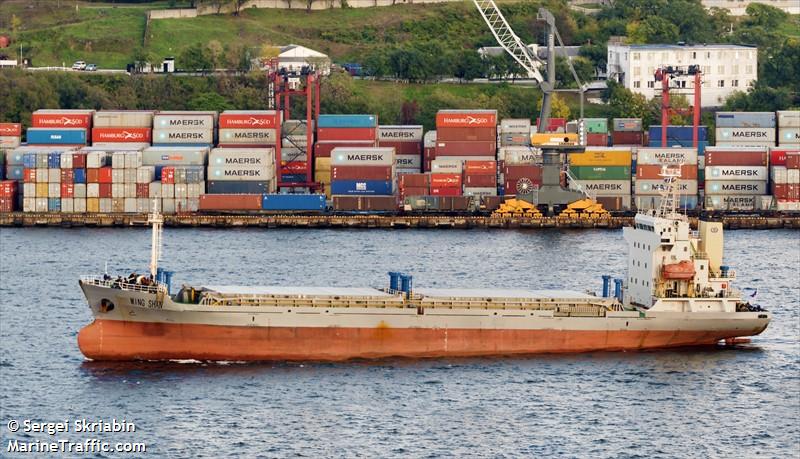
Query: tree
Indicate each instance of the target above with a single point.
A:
(623, 103)
(195, 58)
(653, 29)
(597, 54)
(762, 15)
(214, 51)
(468, 65)
(558, 107)
(16, 24)
(762, 98)
(209, 101)
(237, 6)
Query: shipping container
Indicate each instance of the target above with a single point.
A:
(515, 126)
(736, 173)
(404, 134)
(745, 119)
(247, 137)
(789, 136)
(627, 124)
(446, 180)
(603, 157)
(361, 187)
(415, 181)
(362, 172)
(520, 155)
(304, 202)
(479, 181)
(743, 134)
(686, 202)
(786, 118)
(429, 139)
(669, 155)
(480, 191)
(362, 156)
(229, 202)
(9, 142)
(615, 203)
(63, 119)
(185, 120)
(627, 138)
(466, 134)
(597, 140)
(324, 149)
(365, 203)
(346, 134)
(453, 148)
(10, 129)
(736, 202)
(183, 136)
(515, 140)
(242, 157)
(248, 120)
(164, 156)
(123, 118)
(732, 187)
(655, 187)
(466, 119)
(347, 121)
(606, 187)
(654, 171)
(728, 156)
(601, 172)
(447, 166)
(411, 162)
(682, 133)
(596, 125)
(554, 124)
(49, 136)
(480, 168)
(446, 191)
(237, 187)
(121, 134)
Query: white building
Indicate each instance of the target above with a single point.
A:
(295, 57)
(725, 68)
(739, 7)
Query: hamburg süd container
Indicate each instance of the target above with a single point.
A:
(248, 120)
(62, 119)
(466, 119)
(10, 129)
(121, 134)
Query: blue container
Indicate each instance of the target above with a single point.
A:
(46, 136)
(224, 187)
(54, 160)
(54, 204)
(678, 133)
(746, 119)
(15, 172)
(310, 202)
(79, 176)
(15, 158)
(29, 160)
(347, 121)
(294, 178)
(361, 187)
(701, 144)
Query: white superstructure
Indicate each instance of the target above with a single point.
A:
(726, 68)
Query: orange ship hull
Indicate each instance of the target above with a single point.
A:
(119, 340)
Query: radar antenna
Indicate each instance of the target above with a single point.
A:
(157, 221)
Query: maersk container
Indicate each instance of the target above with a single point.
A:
(735, 187)
(347, 121)
(361, 187)
(678, 133)
(519, 155)
(16, 157)
(789, 136)
(407, 133)
(362, 156)
(736, 173)
(15, 172)
(745, 119)
(607, 187)
(237, 187)
(184, 120)
(241, 157)
(654, 202)
(45, 136)
(734, 202)
(254, 136)
(241, 174)
(655, 187)
(669, 155)
(745, 134)
(307, 202)
(196, 136)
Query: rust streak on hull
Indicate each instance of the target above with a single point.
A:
(118, 340)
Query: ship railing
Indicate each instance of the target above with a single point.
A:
(277, 301)
(700, 256)
(100, 281)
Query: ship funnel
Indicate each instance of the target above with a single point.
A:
(606, 286)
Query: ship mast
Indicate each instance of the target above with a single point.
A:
(670, 195)
(156, 220)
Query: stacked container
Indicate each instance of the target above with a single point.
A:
(480, 178)
(785, 178)
(335, 131)
(555, 125)
(428, 150)
(8, 195)
(241, 171)
(132, 127)
(60, 127)
(680, 136)
(362, 171)
(515, 132)
(179, 174)
(627, 131)
(789, 128)
(510, 158)
(736, 178)
(446, 177)
(596, 131)
(466, 135)
(10, 136)
(605, 173)
(248, 128)
(184, 128)
(648, 183)
(407, 144)
(414, 185)
(45, 182)
(745, 129)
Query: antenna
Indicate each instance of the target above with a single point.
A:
(670, 195)
(156, 220)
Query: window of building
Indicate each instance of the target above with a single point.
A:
(637, 71)
(650, 56)
(651, 84)
(735, 83)
(721, 83)
(694, 54)
(706, 69)
(636, 56)
(749, 69)
(708, 54)
(637, 84)
(735, 69)
(721, 69)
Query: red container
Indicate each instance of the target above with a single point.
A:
(345, 134)
(480, 168)
(403, 148)
(142, 190)
(67, 190)
(415, 191)
(470, 134)
(7, 204)
(447, 191)
(121, 134)
(554, 124)
(513, 172)
(230, 202)
(294, 167)
(627, 138)
(463, 119)
(483, 181)
(105, 190)
(515, 186)
(29, 175)
(361, 173)
(380, 203)
(92, 175)
(653, 172)
(780, 191)
(446, 181)
(168, 175)
(793, 160)
(323, 149)
(450, 148)
(61, 120)
(104, 175)
(597, 139)
(415, 180)
(67, 176)
(8, 188)
(248, 120)
(793, 192)
(10, 129)
(777, 157)
(736, 158)
(79, 160)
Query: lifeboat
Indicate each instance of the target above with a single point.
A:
(678, 271)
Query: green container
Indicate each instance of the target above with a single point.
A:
(601, 172)
(596, 125)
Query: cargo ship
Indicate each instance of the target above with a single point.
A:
(677, 293)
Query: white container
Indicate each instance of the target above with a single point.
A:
(465, 158)
(105, 205)
(184, 120)
(131, 205)
(792, 176)
(154, 190)
(247, 136)
(655, 187)
(736, 173)
(145, 174)
(123, 118)
(66, 163)
(241, 157)
(117, 190)
(408, 162)
(42, 175)
(184, 136)
(745, 134)
(181, 191)
(447, 166)
(519, 155)
(53, 190)
(130, 190)
(167, 191)
(375, 156)
(41, 205)
(67, 205)
(143, 205)
(746, 144)
(168, 206)
(194, 190)
(130, 176)
(10, 141)
(400, 133)
(606, 187)
(54, 175)
(79, 190)
(192, 204)
(733, 202)
(788, 118)
(79, 205)
(738, 187)
(175, 156)
(118, 160)
(133, 159)
(93, 190)
(118, 176)
(480, 191)
(659, 155)
(29, 204)
(429, 139)
(241, 174)
(29, 190)
(515, 126)
(789, 136)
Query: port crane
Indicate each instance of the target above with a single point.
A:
(550, 193)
